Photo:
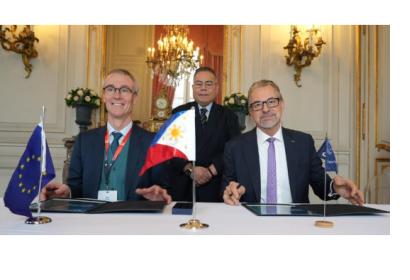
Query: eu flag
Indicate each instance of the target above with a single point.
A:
(24, 184)
(326, 152)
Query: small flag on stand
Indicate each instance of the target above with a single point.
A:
(35, 164)
(176, 138)
(326, 152)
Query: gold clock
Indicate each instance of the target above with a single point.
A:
(163, 108)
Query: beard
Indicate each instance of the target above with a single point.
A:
(268, 125)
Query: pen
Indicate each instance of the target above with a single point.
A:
(51, 189)
(237, 187)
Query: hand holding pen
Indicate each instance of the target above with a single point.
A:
(54, 189)
(233, 193)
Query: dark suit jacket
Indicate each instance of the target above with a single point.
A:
(87, 159)
(242, 165)
(222, 125)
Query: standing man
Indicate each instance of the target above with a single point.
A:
(273, 164)
(106, 161)
(215, 125)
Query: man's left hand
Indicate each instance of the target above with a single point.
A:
(155, 193)
(347, 189)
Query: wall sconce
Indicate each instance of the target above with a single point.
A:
(300, 55)
(22, 44)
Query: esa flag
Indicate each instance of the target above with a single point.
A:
(176, 138)
(24, 184)
(326, 152)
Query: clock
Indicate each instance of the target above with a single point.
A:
(161, 103)
(163, 108)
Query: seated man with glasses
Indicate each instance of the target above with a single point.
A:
(273, 164)
(106, 161)
(214, 125)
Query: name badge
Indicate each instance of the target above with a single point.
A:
(107, 195)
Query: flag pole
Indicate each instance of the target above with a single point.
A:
(324, 223)
(40, 219)
(194, 223)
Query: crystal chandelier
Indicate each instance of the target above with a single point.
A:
(175, 57)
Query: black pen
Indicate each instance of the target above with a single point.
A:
(237, 187)
(51, 189)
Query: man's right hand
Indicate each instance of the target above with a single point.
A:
(61, 191)
(232, 193)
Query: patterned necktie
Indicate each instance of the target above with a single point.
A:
(271, 196)
(203, 117)
(115, 144)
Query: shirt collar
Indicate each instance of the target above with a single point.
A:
(262, 136)
(124, 131)
(208, 107)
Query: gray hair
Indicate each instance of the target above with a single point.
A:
(263, 83)
(124, 73)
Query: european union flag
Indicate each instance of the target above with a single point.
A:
(326, 152)
(24, 184)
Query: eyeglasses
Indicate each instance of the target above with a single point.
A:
(110, 90)
(208, 84)
(271, 103)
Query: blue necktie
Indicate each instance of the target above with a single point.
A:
(203, 117)
(115, 144)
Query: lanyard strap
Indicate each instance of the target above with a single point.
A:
(107, 168)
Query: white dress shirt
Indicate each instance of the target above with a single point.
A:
(282, 177)
(124, 131)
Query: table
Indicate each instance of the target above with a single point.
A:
(221, 218)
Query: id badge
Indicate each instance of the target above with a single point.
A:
(107, 195)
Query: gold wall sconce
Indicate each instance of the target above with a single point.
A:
(300, 55)
(22, 44)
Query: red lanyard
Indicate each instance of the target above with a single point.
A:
(107, 168)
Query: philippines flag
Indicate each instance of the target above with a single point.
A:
(176, 138)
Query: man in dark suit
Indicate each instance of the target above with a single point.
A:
(214, 127)
(272, 164)
(106, 161)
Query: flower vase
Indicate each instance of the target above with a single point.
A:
(83, 116)
(241, 118)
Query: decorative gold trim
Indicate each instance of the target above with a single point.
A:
(367, 88)
(376, 84)
(240, 59)
(378, 160)
(364, 121)
(103, 72)
(231, 58)
(225, 61)
(358, 102)
(88, 54)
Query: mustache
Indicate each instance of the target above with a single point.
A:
(268, 114)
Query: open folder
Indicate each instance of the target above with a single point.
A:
(264, 209)
(92, 206)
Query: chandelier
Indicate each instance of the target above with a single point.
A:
(175, 58)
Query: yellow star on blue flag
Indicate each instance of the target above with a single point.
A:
(19, 195)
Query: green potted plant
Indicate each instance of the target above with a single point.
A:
(85, 100)
(238, 102)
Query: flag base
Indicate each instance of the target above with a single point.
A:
(324, 224)
(194, 224)
(36, 221)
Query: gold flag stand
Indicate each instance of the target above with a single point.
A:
(194, 223)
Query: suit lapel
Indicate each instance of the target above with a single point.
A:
(97, 153)
(212, 124)
(291, 158)
(251, 155)
(134, 153)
